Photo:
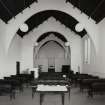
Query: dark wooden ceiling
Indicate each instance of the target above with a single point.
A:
(59, 35)
(40, 17)
(10, 8)
(93, 8)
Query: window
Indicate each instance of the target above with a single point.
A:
(87, 51)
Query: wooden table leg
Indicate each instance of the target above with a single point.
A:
(69, 93)
(63, 98)
(33, 92)
(41, 98)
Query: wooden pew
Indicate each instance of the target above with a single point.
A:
(85, 84)
(8, 87)
(97, 87)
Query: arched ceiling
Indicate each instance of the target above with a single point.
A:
(93, 8)
(40, 17)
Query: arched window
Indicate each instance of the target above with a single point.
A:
(87, 51)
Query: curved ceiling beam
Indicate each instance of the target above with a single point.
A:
(55, 33)
(67, 8)
(51, 37)
(40, 17)
(50, 41)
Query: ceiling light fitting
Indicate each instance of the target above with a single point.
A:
(24, 27)
(79, 27)
(67, 44)
(36, 44)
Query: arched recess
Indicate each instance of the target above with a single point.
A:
(51, 37)
(51, 53)
(67, 8)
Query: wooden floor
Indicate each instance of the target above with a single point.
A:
(77, 98)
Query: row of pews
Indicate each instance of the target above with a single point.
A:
(55, 75)
(9, 85)
(91, 84)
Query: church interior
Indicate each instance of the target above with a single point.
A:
(52, 52)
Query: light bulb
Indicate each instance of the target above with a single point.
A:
(79, 27)
(24, 27)
(67, 43)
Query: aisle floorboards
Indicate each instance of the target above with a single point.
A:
(77, 98)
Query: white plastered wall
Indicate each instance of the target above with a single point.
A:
(101, 55)
(89, 66)
(8, 61)
(97, 63)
